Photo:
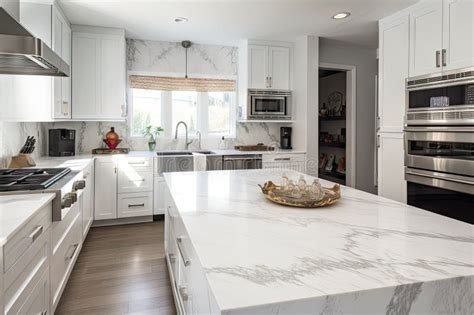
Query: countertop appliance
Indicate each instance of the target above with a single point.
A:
(242, 162)
(285, 138)
(269, 104)
(63, 182)
(23, 53)
(62, 142)
(439, 144)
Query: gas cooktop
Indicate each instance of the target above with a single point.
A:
(30, 178)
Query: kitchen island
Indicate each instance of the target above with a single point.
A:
(231, 251)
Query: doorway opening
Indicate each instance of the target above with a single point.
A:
(337, 123)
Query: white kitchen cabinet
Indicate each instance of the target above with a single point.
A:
(159, 195)
(88, 198)
(38, 302)
(98, 56)
(279, 68)
(47, 98)
(458, 34)
(257, 66)
(426, 38)
(391, 171)
(105, 206)
(135, 204)
(393, 70)
(265, 66)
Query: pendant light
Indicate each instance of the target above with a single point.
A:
(186, 44)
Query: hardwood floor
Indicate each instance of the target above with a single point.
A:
(121, 270)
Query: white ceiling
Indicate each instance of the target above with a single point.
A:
(227, 22)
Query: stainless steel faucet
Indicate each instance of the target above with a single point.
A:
(186, 128)
(198, 133)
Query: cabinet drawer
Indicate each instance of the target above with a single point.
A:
(26, 237)
(134, 180)
(135, 204)
(283, 158)
(65, 255)
(60, 228)
(20, 278)
(136, 162)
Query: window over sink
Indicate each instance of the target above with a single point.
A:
(206, 105)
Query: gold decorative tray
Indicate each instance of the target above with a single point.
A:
(274, 193)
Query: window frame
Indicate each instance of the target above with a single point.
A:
(202, 115)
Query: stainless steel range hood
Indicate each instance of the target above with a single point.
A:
(22, 53)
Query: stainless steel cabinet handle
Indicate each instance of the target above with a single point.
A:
(69, 257)
(44, 312)
(186, 260)
(136, 205)
(183, 292)
(36, 233)
(282, 159)
(172, 258)
(437, 59)
(137, 163)
(271, 81)
(443, 57)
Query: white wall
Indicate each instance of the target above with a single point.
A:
(364, 59)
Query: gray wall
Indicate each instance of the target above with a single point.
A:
(365, 60)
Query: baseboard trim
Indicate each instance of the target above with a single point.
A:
(122, 221)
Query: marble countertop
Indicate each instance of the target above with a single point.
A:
(255, 252)
(16, 210)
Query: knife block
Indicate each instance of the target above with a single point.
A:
(22, 160)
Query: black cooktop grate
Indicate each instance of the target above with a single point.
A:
(30, 178)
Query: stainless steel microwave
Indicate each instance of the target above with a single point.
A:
(269, 104)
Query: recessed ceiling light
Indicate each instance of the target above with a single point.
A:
(180, 19)
(341, 15)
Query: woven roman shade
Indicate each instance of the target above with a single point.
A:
(181, 84)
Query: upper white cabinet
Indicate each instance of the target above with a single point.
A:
(99, 75)
(441, 36)
(393, 70)
(458, 34)
(40, 98)
(265, 66)
(426, 38)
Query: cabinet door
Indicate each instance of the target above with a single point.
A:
(38, 301)
(393, 70)
(85, 60)
(426, 32)
(159, 190)
(279, 68)
(391, 172)
(105, 189)
(458, 34)
(88, 199)
(66, 82)
(258, 67)
(112, 77)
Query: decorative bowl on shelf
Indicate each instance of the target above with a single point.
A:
(112, 144)
(282, 196)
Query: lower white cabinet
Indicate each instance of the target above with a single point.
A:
(159, 189)
(135, 204)
(38, 300)
(187, 276)
(88, 198)
(123, 187)
(292, 161)
(391, 171)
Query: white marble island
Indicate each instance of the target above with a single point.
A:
(231, 251)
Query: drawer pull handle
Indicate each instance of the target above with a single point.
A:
(172, 258)
(186, 261)
(36, 233)
(75, 246)
(183, 292)
(44, 312)
(137, 180)
(137, 163)
(282, 159)
(136, 205)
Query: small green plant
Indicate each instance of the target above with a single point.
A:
(152, 132)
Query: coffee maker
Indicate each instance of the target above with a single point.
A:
(62, 142)
(285, 138)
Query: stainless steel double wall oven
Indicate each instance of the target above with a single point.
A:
(439, 144)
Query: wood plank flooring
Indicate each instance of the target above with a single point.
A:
(120, 270)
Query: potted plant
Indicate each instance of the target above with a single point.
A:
(152, 132)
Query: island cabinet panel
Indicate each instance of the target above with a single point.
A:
(186, 273)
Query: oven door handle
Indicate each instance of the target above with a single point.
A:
(443, 177)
